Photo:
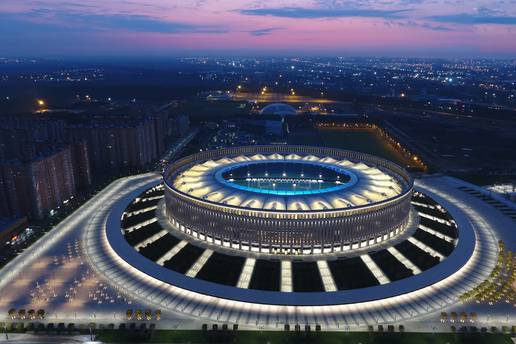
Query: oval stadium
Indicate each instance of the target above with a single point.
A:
(289, 198)
(278, 236)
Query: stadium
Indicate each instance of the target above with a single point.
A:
(292, 226)
(271, 237)
(288, 198)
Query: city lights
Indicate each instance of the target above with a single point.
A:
(271, 191)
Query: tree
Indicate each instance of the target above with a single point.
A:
(40, 327)
(50, 327)
(148, 314)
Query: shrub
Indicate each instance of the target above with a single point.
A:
(20, 327)
(71, 327)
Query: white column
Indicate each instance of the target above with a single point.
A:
(197, 266)
(173, 251)
(247, 272)
(326, 276)
(404, 260)
(377, 272)
(286, 276)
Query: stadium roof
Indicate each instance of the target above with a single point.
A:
(366, 184)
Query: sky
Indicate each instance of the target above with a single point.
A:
(425, 28)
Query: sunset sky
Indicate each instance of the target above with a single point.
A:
(433, 28)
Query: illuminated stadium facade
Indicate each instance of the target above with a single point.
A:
(289, 198)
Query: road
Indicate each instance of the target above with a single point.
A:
(175, 148)
(280, 98)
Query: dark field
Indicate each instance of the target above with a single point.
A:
(361, 140)
(200, 109)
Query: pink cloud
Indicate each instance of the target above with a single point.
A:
(204, 26)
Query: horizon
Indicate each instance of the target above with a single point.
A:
(172, 57)
(409, 28)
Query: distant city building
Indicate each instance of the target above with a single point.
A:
(31, 128)
(179, 125)
(14, 189)
(41, 184)
(46, 158)
(51, 181)
(161, 126)
(118, 143)
(81, 165)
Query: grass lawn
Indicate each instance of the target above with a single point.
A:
(213, 110)
(361, 140)
(250, 337)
